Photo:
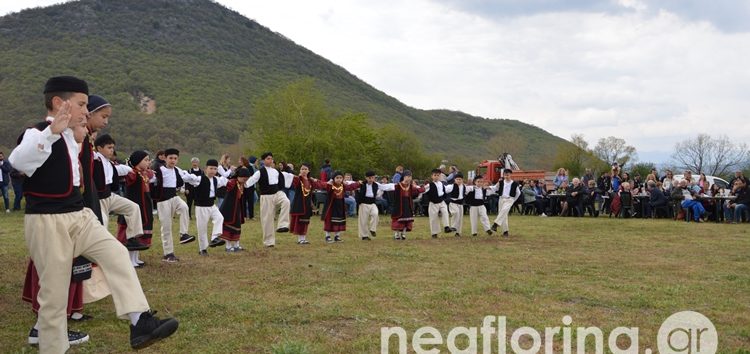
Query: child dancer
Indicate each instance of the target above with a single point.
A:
(509, 191)
(138, 190)
(204, 194)
(335, 211)
(302, 205)
(438, 211)
(456, 207)
(232, 210)
(402, 210)
(368, 210)
(475, 197)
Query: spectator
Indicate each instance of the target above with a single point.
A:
(529, 196)
(380, 197)
(562, 176)
(452, 174)
(738, 175)
(399, 173)
(687, 195)
(657, 198)
(738, 207)
(616, 179)
(587, 176)
(572, 201)
(591, 197)
(688, 176)
(667, 183)
(5, 169)
(654, 173)
(703, 183)
(351, 203)
(540, 191)
(326, 170)
(17, 178)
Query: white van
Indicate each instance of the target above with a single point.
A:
(711, 179)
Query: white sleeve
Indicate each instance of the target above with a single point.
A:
(33, 151)
(449, 188)
(189, 177)
(122, 170)
(288, 179)
(225, 172)
(387, 187)
(253, 179)
(468, 189)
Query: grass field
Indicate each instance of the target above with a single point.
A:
(335, 298)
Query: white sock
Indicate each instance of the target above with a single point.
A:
(133, 258)
(228, 244)
(76, 315)
(237, 243)
(300, 237)
(328, 234)
(138, 257)
(36, 325)
(134, 317)
(338, 234)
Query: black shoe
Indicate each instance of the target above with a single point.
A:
(282, 230)
(74, 338)
(403, 236)
(217, 242)
(434, 235)
(329, 239)
(505, 234)
(494, 226)
(447, 230)
(203, 253)
(458, 235)
(170, 258)
(473, 235)
(185, 238)
(454, 229)
(83, 318)
(337, 239)
(133, 244)
(366, 238)
(372, 233)
(151, 329)
(489, 232)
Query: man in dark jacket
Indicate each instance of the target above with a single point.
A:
(5, 168)
(658, 199)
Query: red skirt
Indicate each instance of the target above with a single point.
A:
(231, 233)
(299, 224)
(122, 236)
(334, 226)
(31, 290)
(399, 224)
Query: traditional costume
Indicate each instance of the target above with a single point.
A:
(233, 212)
(437, 210)
(402, 208)
(509, 192)
(270, 184)
(302, 207)
(456, 199)
(335, 212)
(368, 210)
(476, 197)
(205, 207)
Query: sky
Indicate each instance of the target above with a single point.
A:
(651, 72)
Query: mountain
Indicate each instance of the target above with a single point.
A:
(187, 73)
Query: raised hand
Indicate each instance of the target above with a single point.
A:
(62, 119)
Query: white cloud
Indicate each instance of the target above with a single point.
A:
(648, 75)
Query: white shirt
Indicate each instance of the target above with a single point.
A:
(368, 191)
(36, 147)
(448, 188)
(109, 172)
(221, 181)
(461, 189)
(273, 177)
(224, 172)
(506, 189)
(169, 178)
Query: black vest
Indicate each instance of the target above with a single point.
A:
(454, 197)
(162, 193)
(102, 188)
(362, 199)
(50, 190)
(203, 190)
(472, 200)
(269, 189)
(90, 196)
(432, 194)
(513, 188)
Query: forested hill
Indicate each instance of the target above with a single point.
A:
(187, 72)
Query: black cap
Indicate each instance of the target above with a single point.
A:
(242, 172)
(436, 170)
(66, 84)
(459, 175)
(266, 154)
(136, 157)
(104, 139)
(171, 151)
(96, 103)
(252, 159)
(369, 173)
(337, 173)
(212, 162)
(507, 170)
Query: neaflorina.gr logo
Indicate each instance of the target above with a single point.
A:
(684, 332)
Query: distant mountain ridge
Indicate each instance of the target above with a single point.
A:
(186, 73)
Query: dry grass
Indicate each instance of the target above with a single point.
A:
(334, 298)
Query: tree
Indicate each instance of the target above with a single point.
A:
(712, 156)
(612, 149)
(642, 169)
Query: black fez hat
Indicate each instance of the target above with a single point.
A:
(369, 173)
(266, 154)
(507, 170)
(136, 157)
(212, 162)
(171, 151)
(96, 103)
(242, 172)
(66, 84)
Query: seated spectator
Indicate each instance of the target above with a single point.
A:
(562, 176)
(572, 201)
(591, 197)
(703, 183)
(529, 196)
(667, 182)
(739, 175)
(688, 196)
(738, 207)
(381, 200)
(657, 198)
(540, 191)
(587, 176)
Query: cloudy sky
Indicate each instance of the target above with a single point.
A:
(651, 72)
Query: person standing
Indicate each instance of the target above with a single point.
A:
(271, 183)
(195, 169)
(5, 169)
(509, 192)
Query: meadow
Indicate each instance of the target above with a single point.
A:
(334, 298)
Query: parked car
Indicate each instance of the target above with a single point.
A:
(711, 179)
